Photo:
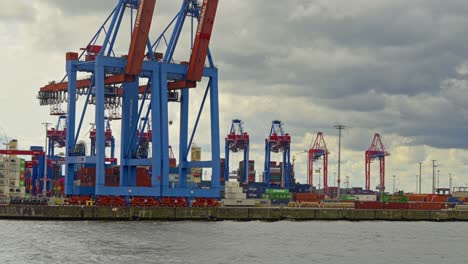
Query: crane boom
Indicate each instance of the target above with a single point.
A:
(136, 53)
(202, 40)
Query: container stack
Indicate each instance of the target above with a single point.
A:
(233, 191)
(22, 174)
(233, 195)
(254, 190)
(222, 172)
(275, 174)
(251, 168)
(196, 172)
(112, 176)
(11, 184)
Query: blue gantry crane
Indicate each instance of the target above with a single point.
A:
(237, 140)
(116, 82)
(276, 142)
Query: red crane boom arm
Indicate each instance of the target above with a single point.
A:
(202, 40)
(136, 53)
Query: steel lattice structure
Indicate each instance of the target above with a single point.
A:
(318, 149)
(376, 151)
(237, 140)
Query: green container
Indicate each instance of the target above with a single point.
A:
(348, 198)
(395, 198)
(277, 196)
(277, 191)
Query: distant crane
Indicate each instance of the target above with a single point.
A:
(318, 149)
(57, 135)
(237, 140)
(376, 151)
(278, 141)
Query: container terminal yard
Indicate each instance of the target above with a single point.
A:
(134, 174)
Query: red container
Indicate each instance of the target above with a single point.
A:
(416, 197)
(307, 197)
(396, 206)
(143, 178)
(112, 180)
(434, 198)
(426, 206)
(368, 205)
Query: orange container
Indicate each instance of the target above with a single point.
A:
(307, 197)
(435, 198)
(426, 206)
(416, 197)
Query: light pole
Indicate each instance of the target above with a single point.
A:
(450, 182)
(433, 176)
(420, 165)
(438, 176)
(339, 127)
(44, 186)
(417, 176)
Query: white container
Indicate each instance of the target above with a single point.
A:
(460, 194)
(231, 184)
(461, 207)
(233, 190)
(232, 202)
(248, 202)
(366, 197)
(228, 195)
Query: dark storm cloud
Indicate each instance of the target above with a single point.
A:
(410, 47)
(376, 65)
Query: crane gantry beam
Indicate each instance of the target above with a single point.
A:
(318, 150)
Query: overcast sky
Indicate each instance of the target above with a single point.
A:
(395, 67)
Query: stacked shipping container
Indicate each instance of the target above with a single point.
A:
(251, 168)
(12, 182)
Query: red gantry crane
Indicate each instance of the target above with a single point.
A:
(376, 151)
(319, 149)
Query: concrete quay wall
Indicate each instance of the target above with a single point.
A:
(25, 212)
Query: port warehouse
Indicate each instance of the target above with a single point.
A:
(149, 174)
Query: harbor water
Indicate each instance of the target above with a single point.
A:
(232, 242)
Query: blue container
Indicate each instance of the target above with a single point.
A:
(453, 200)
(254, 195)
(280, 202)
